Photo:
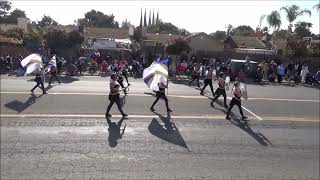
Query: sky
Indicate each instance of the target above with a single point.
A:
(194, 16)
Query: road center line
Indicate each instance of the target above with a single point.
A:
(177, 96)
(219, 117)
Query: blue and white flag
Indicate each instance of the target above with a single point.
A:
(156, 73)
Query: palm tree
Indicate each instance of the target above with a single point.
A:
(292, 12)
(274, 20)
(317, 6)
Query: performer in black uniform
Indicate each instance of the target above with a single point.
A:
(53, 72)
(125, 74)
(221, 90)
(161, 94)
(120, 81)
(196, 75)
(39, 82)
(208, 81)
(114, 96)
(236, 100)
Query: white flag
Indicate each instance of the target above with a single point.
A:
(32, 58)
(32, 67)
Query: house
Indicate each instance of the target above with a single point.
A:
(154, 43)
(22, 23)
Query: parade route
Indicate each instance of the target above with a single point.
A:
(64, 134)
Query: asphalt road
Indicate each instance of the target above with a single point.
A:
(64, 135)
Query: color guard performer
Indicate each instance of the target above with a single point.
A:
(236, 100)
(221, 90)
(114, 95)
(161, 94)
(208, 81)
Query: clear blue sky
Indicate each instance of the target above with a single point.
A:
(195, 16)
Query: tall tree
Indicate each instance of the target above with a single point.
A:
(5, 7)
(274, 20)
(101, 20)
(141, 19)
(242, 30)
(302, 29)
(149, 23)
(125, 24)
(219, 35)
(158, 20)
(229, 28)
(145, 18)
(293, 12)
(153, 17)
(47, 21)
(317, 7)
(18, 13)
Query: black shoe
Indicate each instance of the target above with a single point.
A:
(202, 94)
(228, 117)
(244, 117)
(124, 115)
(108, 115)
(152, 109)
(44, 93)
(225, 105)
(169, 110)
(211, 104)
(129, 84)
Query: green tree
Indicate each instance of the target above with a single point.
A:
(47, 21)
(74, 38)
(302, 29)
(98, 19)
(293, 12)
(317, 7)
(177, 47)
(17, 13)
(145, 19)
(16, 33)
(125, 24)
(5, 7)
(219, 35)
(242, 30)
(274, 20)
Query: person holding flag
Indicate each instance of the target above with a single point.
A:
(39, 81)
(156, 78)
(52, 68)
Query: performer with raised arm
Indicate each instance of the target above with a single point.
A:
(161, 94)
(221, 90)
(114, 95)
(236, 100)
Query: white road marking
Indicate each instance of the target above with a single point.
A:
(177, 96)
(252, 113)
(218, 117)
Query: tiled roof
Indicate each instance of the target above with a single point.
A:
(247, 42)
(161, 37)
(8, 40)
(116, 33)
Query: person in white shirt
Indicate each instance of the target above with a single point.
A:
(236, 100)
(114, 96)
(208, 81)
(221, 90)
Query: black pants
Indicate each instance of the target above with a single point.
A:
(163, 96)
(126, 76)
(279, 78)
(120, 81)
(38, 85)
(114, 99)
(233, 102)
(195, 77)
(54, 76)
(218, 93)
(206, 83)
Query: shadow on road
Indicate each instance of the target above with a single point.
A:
(168, 132)
(115, 131)
(21, 106)
(245, 126)
(63, 79)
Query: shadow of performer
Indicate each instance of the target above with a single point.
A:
(115, 131)
(245, 126)
(168, 132)
(21, 106)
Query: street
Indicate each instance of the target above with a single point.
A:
(64, 134)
